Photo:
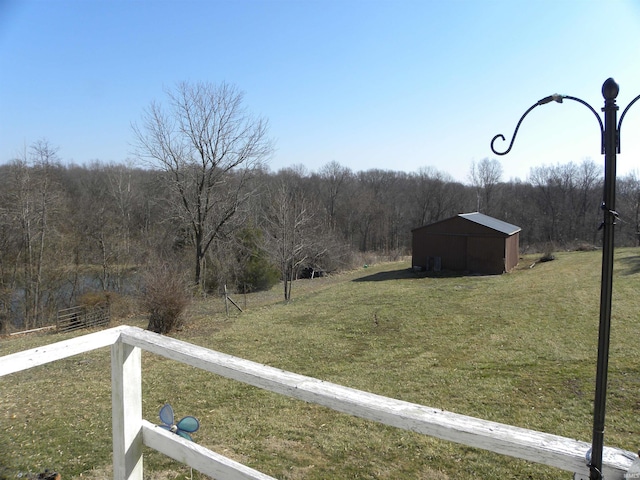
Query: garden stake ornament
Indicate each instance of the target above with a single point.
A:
(183, 428)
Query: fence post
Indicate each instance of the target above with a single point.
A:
(126, 401)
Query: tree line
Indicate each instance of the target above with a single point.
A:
(205, 202)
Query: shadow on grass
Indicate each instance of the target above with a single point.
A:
(632, 265)
(407, 273)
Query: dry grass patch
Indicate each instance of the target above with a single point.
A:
(518, 348)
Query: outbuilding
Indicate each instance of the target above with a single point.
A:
(471, 242)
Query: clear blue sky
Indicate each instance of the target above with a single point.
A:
(394, 84)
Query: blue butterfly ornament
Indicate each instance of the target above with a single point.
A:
(183, 428)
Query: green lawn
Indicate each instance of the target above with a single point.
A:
(518, 348)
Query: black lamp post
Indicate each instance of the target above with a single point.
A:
(610, 145)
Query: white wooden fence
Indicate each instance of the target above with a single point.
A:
(131, 431)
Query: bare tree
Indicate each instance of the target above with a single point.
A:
(33, 198)
(550, 189)
(292, 237)
(629, 208)
(485, 176)
(585, 200)
(100, 224)
(566, 195)
(333, 178)
(433, 196)
(208, 145)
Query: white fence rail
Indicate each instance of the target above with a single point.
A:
(131, 432)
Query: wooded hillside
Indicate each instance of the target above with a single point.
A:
(66, 230)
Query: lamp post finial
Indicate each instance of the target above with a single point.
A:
(610, 89)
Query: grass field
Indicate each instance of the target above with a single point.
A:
(518, 349)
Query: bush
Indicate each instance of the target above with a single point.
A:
(254, 270)
(547, 257)
(94, 298)
(165, 297)
(258, 274)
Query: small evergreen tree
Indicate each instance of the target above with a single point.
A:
(255, 272)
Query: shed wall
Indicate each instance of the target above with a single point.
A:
(512, 254)
(465, 246)
(452, 250)
(486, 254)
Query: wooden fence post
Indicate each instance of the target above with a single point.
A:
(226, 301)
(126, 397)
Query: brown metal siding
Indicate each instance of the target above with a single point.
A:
(457, 226)
(465, 246)
(512, 255)
(485, 254)
(450, 248)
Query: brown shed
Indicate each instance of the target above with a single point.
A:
(471, 242)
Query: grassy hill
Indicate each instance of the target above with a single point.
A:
(518, 348)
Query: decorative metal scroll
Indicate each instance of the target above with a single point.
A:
(551, 98)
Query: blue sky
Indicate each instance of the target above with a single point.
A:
(394, 85)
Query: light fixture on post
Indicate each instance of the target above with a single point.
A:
(610, 146)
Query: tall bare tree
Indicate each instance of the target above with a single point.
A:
(629, 194)
(567, 195)
(485, 176)
(333, 181)
(208, 145)
(32, 199)
(288, 226)
(433, 196)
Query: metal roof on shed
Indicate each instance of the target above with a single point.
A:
(490, 222)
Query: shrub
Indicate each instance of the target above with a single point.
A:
(254, 271)
(547, 257)
(258, 274)
(94, 298)
(164, 297)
